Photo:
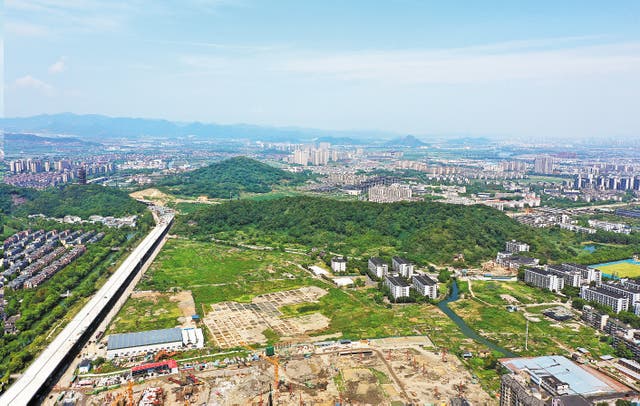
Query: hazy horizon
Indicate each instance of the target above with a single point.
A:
(540, 70)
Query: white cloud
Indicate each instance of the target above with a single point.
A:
(58, 67)
(78, 15)
(29, 82)
(470, 65)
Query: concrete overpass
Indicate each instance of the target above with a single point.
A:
(42, 374)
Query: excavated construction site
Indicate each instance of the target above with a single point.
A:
(404, 370)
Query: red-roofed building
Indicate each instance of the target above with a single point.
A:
(169, 366)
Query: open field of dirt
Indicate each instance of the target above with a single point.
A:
(232, 324)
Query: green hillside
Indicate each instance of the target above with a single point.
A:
(422, 231)
(78, 200)
(231, 177)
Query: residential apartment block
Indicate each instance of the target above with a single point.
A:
(338, 264)
(378, 268)
(543, 279)
(514, 246)
(615, 301)
(425, 286)
(402, 266)
(397, 286)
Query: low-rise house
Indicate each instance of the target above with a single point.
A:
(338, 264)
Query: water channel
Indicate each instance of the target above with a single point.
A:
(466, 330)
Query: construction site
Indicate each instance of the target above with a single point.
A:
(391, 371)
(233, 323)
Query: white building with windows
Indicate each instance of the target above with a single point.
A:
(338, 264)
(587, 274)
(615, 301)
(425, 286)
(571, 277)
(397, 286)
(543, 279)
(378, 268)
(402, 266)
(514, 247)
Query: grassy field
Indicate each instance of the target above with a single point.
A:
(216, 273)
(622, 269)
(146, 313)
(487, 314)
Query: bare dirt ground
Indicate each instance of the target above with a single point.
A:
(184, 299)
(151, 194)
(161, 198)
(376, 372)
(233, 324)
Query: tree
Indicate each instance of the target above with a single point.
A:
(444, 275)
(623, 352)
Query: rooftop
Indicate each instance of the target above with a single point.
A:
(377, 261)
(424, 279)
(606, 292)
(401, 260)
(581, 380)
(152, 337)
(396, 281)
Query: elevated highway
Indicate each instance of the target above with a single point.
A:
(35, 382)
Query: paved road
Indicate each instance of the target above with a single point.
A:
(61, 351)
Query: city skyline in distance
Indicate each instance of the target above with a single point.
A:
(539, 70)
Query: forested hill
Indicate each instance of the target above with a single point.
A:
(75, 200)
(231, 177)
(422, 231)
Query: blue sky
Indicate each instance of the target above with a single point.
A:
(504, 68)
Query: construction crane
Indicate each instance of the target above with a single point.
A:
(130, 393)
(444, 354)
(276, 366)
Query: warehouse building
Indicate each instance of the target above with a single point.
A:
(172, 339)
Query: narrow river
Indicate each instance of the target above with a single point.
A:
(466, 330)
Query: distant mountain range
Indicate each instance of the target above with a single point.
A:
(103, 128)
(408, 141)
(100, 128)
(32, 139)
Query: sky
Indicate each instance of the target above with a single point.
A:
(549, 69)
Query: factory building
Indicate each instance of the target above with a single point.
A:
(130, 344)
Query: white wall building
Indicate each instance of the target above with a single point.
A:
(425, 286)
(514, 246)
(614, 300)
(338, 264)
(402, 266)
(543, 279)
(378, 268)
(397, 286)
